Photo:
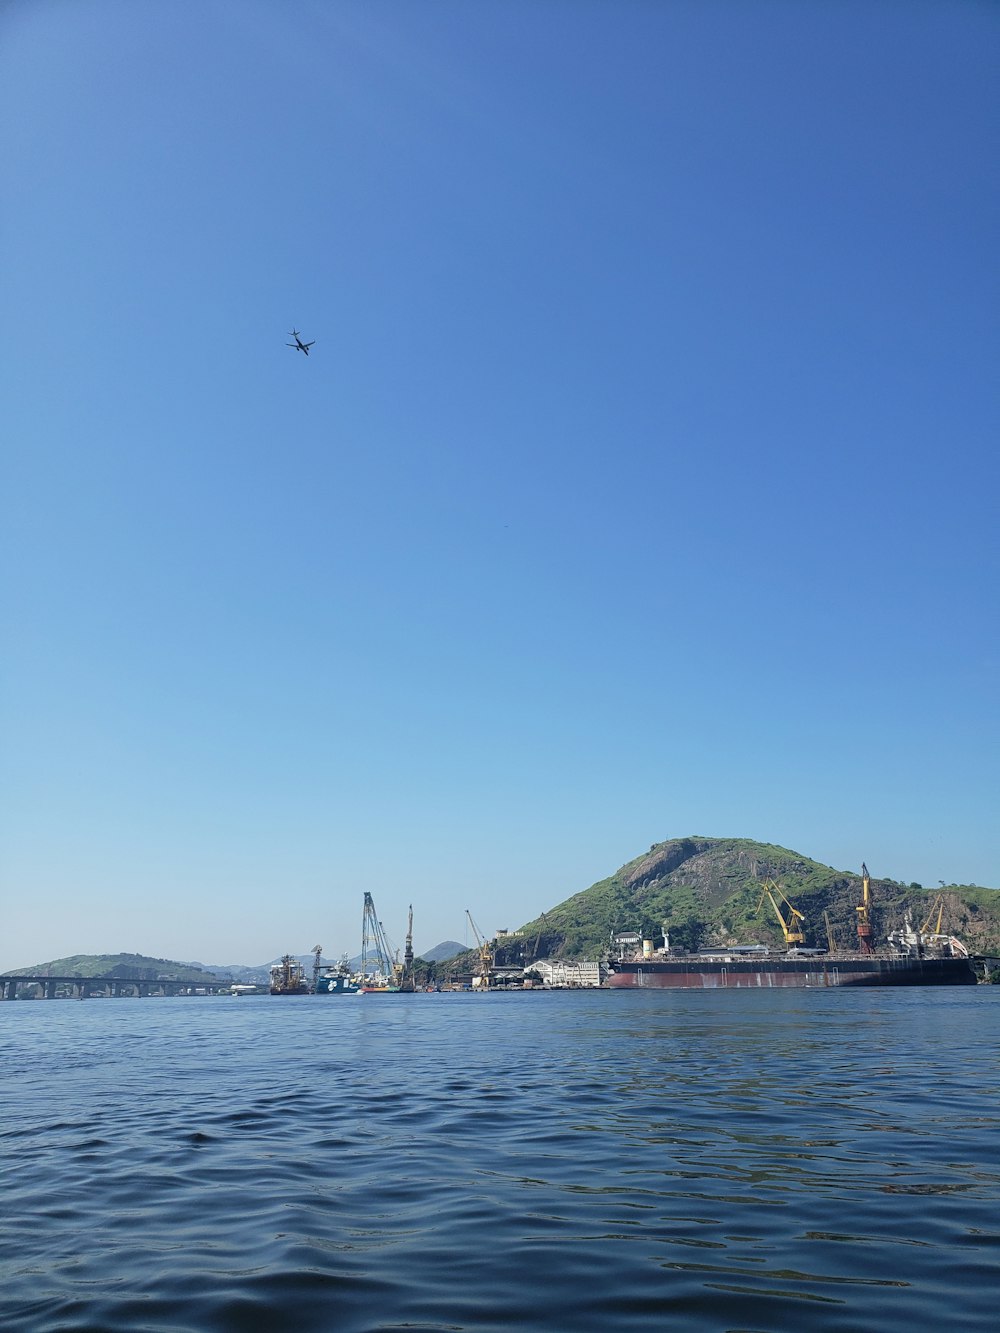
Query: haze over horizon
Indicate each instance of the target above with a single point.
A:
(640, 482)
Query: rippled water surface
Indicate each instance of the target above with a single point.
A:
(566, 1161)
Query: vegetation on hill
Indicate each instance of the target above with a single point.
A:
(707, 891)
(123, 966)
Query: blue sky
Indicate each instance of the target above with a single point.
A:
(641, 482)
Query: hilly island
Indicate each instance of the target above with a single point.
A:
(704, 891)
(707, 892)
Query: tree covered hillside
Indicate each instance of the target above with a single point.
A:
(124, 966)
(707, 891)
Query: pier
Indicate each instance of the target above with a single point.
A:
(86, 988)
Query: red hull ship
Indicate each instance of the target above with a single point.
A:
(731, 971)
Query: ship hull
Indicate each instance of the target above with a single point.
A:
(761, 973)
(336, 985)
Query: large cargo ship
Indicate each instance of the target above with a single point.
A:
(738, 969)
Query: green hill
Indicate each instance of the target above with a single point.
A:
(707, 891)
(125, 966)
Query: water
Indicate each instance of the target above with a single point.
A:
(822, 1160)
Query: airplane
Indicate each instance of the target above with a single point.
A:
(298, 344)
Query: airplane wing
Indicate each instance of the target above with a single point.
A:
(312, 344)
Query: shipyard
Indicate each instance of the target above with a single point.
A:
(923, 956)
(508, 961)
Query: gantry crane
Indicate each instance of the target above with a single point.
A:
(485, 954)
(791, 929)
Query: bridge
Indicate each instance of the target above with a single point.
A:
(85, 988)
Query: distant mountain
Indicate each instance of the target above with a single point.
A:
(707, 891)
(240, 972)
(442, 952)
(126, 966)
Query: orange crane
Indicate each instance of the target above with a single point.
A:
(792, 928)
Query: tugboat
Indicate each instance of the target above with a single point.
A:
(289, 977)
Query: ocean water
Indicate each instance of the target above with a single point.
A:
(812, 1160)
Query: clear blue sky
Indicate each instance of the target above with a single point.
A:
(642, 480)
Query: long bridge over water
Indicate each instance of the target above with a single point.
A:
(85, 988)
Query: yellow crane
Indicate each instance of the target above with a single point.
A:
(938, 907)
(864, 917)
(485, 954)
(829, 933)
(791, 928)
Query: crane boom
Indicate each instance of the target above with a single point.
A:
(829, 933)
(485, 954)
(791, 928)
(374, 945)
(863, 911)
(925, 929)
(538, 938)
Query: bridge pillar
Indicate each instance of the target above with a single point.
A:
(12, 989)
(50, 990)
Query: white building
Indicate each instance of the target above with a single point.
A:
(568, 972)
